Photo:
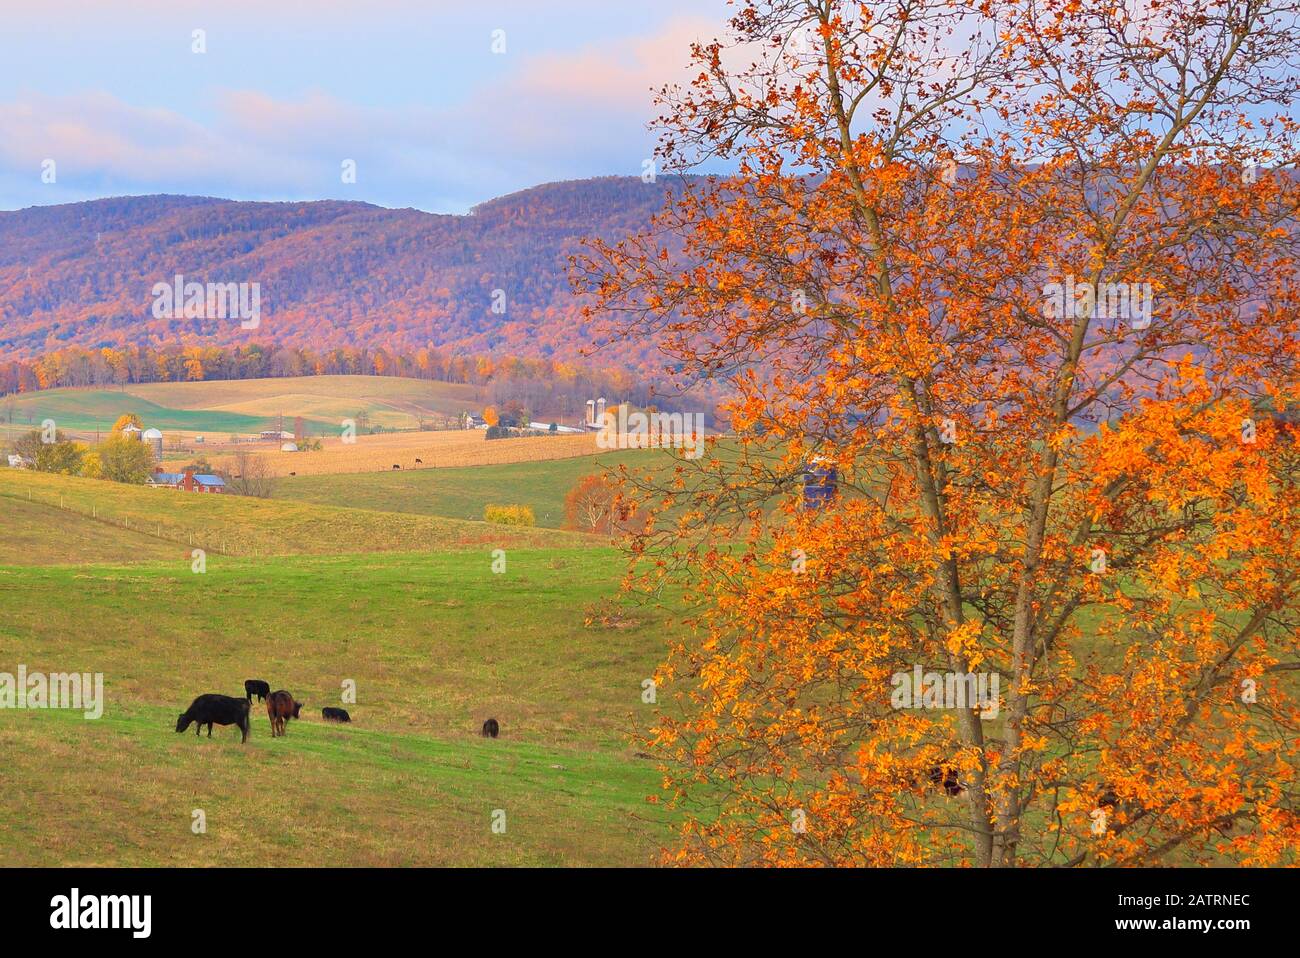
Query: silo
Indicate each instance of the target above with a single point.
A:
(600, 411)
(153, 439)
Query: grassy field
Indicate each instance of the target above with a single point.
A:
(83, 411)
(389, 401)
(35, 533)
(397, 595)
(235, 525)
(435, 642)
(463, 492)
(181, 410)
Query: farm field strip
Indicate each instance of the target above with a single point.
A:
(379, 453)
(185, 409)
(463, 492)
(239, 525)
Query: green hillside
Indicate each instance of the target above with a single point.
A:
(463, 492)
(86, 410)
(434, 643)
(238, 525)
(35, 533)
(243, 406)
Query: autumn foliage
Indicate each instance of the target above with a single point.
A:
(596, 504)
(332, 274)
(1096, 503)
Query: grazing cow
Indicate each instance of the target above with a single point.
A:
(419, 462)
(280, 707)
(293, 473)
(212, 710)
(256, 687)
(331, 714)
(491, 729)
(396, 466)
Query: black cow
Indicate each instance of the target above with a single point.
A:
(491, 729)
(212, 710)
(329, 713)
(256, 687)
(419, 462)
(396, 466)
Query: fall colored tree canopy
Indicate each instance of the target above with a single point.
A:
(551, 382)
(1021, 277)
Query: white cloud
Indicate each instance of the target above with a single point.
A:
(546, 116)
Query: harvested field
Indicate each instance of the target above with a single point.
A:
(380, 453)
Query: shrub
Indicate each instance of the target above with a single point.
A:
(510, 515)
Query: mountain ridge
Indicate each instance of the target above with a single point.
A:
(331, 272)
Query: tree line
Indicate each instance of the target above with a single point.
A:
(550, 383)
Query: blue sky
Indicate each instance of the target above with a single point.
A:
(111, 91)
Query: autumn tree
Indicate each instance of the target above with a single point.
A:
(124, 420)
(50, 451)
(589, 505)
(124, 460)
(1024, 275)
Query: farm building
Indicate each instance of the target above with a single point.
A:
(275, 435)
(18, 462)
(546, 427)
(154, 440)
(595, 418)
(186, 480)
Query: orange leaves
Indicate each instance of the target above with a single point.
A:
(1092, 505)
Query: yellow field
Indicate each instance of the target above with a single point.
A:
(165, 523)
(389, 401)
(380, 453)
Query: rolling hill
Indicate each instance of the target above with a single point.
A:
(463, 492)
(330, 273)
(232, 525)
(246, 405)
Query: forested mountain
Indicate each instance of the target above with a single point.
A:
(330, 274)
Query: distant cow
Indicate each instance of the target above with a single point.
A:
(212, 710)
(396, 466)
(329, 713)
(419, 462)
(256, 687)
(491, 729)
(280, 707)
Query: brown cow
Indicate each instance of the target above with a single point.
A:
(280, 706)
